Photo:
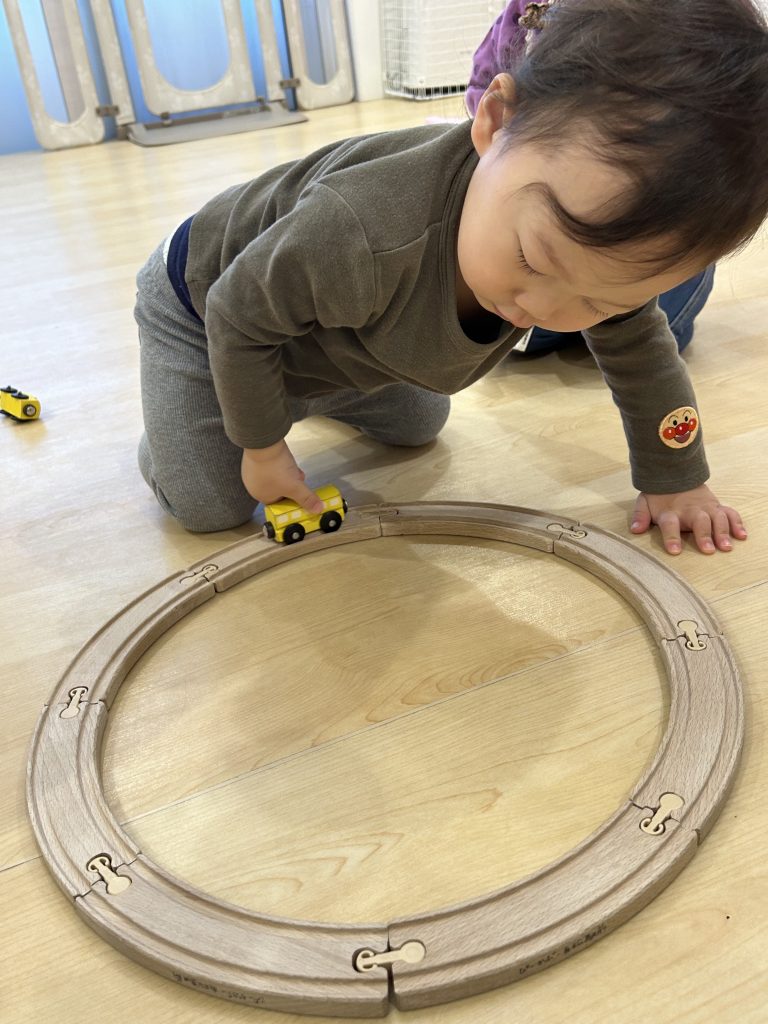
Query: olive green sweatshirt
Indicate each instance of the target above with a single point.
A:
(339, 271)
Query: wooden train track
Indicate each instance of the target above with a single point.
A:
(358, 970)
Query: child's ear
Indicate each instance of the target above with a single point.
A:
(493, 111)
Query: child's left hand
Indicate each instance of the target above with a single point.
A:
(698, 511)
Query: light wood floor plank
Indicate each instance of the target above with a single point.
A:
(432, 807)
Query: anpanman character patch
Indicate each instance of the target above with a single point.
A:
(680, 427)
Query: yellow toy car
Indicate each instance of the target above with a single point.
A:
(17, 405)
(288, 522)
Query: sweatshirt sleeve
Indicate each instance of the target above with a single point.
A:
(311, 267)
(637, 355)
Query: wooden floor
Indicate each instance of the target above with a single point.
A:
(383, 729)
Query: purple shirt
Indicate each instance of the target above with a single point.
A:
(503, 45)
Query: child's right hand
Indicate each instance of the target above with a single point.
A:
(270, 474)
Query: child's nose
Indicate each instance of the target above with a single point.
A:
(539, 307)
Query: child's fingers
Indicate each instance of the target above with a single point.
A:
(736, 523)
(305, 497)
(669, 524)
(703, 526)
(641, 517)
(721, 529)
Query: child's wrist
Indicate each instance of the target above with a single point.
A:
(264, 454)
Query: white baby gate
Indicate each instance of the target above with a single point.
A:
(86, 115)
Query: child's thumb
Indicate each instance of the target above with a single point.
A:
(641, 517)
(309, 501)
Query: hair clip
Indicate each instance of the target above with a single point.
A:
(534, 15)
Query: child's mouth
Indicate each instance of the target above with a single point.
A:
(510, 320)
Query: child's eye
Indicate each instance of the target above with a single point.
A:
(594, 309)
(523, 262)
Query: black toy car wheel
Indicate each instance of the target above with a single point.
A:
(269, 531)
(293, 533)
(330, 521)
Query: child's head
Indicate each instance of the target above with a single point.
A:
(633, 137)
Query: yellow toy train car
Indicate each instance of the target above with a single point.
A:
(288, 522)
(18, 405)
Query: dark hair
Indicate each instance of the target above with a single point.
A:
(675, 95)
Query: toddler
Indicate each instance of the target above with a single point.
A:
(513, 32)
(616, 159)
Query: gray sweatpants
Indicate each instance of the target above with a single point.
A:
(184, 454)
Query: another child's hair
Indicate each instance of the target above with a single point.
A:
(673, 94)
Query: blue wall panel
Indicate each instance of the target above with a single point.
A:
(191, 51)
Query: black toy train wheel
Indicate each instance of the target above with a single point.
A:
(330, 522)
(293, 533)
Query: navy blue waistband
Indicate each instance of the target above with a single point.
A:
(177, 264)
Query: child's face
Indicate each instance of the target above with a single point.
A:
(506, 231)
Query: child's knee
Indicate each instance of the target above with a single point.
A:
(427, 418)
(210, 521)
(197, 509)
(417, 422)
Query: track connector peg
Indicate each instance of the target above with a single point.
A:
(656, 825)
(410, 953)
(568, 531)
(102, 865)
(692, 634)
(77, 696)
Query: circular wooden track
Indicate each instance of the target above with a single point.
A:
(355, 970)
